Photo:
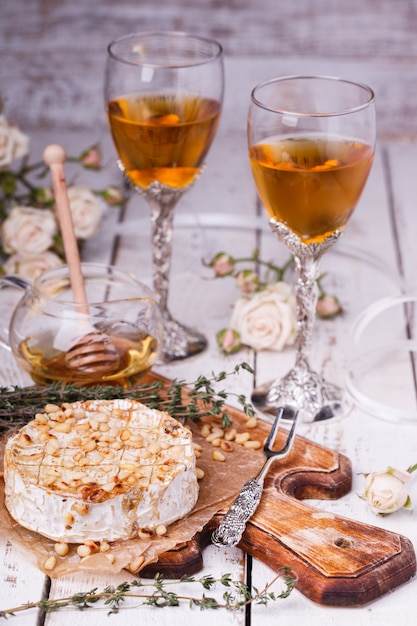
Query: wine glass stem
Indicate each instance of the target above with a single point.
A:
(162, 217)
(306, 292)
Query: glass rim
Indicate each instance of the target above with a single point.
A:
(370, 100)
(98, 270)
(180, 35)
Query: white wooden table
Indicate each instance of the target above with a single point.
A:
(375, 258)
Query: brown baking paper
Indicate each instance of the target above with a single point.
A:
(222, 481)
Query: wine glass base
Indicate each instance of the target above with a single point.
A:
(180, 342)
(315, 398)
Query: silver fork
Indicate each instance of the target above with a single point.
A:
(233, 524)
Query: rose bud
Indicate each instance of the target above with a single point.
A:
(328, 306)
(247, 281)
(113, 195)
(223, 264)
(228, 341)
(91, 158)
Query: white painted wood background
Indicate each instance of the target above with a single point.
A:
(51, 71)
(53, 51)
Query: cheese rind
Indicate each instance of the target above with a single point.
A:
(99, 470)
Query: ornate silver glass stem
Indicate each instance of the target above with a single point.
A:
(302, 387)
(179, 340)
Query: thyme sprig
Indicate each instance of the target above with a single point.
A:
(184, 401)
(157, 593)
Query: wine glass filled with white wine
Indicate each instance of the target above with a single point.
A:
(163, 95)
(311, 147)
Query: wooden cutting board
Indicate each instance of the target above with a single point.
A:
(338, 561)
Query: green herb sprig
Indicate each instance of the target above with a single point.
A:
(157, 594)
(184, 401)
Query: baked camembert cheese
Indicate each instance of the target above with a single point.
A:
(99, 470)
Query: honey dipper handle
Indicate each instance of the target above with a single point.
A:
(54, 156)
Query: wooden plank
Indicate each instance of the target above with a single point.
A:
(369, 41)
(21, 582)
(234, 564)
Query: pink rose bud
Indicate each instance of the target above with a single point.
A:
(228, 340)
(328, 307)
(223, 264)
(44, 196)
(91, 158)
(113, 195)
(247, 281)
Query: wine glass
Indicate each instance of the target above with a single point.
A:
(164, 94)
(311, 146)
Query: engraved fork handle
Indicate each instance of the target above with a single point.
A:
(231, 528)
(233, 524)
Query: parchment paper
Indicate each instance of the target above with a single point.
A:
(222, 481)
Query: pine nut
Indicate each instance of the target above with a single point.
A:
(61, 548)
(211, 436)
(44, 436)
(144, 533)
(80, 508)
(68, 462)
(81, 428)
(252, 445)
(217, 455)
(128, 466)
(50, 563)
(68, 518)
(135, 565)
(226, 446)
(154, 448)
(89, 446)
(252, 422)
(205, 430)
(25, 439)
(108, 487)
(161, 530)
(230, 434)
(41, 418)
(199, 473)
(241, 438)
(93, 423)
(125, 434)
(52, 446)
(51, 408)
(63, 427)
(94, 548)
(83, 550)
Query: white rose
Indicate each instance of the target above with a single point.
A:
(266, 320)
(86, 211)
(386, 492)
(28, 231)
(13, 143)
(31, 266)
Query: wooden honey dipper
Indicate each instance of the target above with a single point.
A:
(94, 352)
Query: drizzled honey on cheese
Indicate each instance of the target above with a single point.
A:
(99, 470)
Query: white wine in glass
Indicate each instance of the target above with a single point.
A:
(311, 147)
(164, 94)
